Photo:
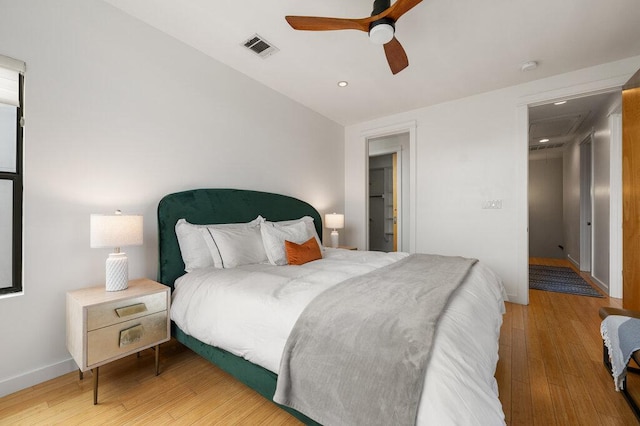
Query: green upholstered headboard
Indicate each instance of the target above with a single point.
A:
(213, 206)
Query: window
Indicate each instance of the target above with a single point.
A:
(11, 177)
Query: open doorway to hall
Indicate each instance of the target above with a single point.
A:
(570, 172)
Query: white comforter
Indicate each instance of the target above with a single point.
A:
(250, 311)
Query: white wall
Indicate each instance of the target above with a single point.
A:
(601, 189)
(469, 151)
(571, 201)
(545, 208)
(601, 146)
(118, 115)
(601, 153)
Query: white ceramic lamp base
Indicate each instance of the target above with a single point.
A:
(117, 272)
(334, 239)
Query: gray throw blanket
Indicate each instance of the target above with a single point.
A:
(358, 353)
(621, 335)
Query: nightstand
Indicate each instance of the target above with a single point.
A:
(104, 326)
(348, 247)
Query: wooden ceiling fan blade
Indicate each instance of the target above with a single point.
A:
(396, 56)
(399, 8)
(315, 23)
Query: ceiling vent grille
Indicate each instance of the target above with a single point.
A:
(261, 47)
(553, 127)
(545, 146)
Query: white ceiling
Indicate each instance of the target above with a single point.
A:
(455, 48)
(565, 123)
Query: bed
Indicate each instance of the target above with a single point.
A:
(459, 385)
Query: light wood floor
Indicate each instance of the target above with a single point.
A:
(550, 370)
(550, 373)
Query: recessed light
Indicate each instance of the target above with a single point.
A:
(529, 66)
(343, 83)
(560, 103)
(543, 140)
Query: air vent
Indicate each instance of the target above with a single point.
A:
(553, 127)
(261, 47)
(545, 146)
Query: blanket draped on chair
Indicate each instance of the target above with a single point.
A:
(621, 336)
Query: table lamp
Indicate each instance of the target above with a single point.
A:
(115, 231)
(334, 221)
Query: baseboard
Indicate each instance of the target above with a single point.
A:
(512, 298)
(31, 378)
(600, 284)
(575, 262)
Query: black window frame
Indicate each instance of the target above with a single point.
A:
(17, 178)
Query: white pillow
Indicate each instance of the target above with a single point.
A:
(274, 236)
(214, 253)
(196, 244)
(308, 220)
(195, 253)
(238, 245)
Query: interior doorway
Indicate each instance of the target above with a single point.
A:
(581, 132)
(388, 192)
(383, 202)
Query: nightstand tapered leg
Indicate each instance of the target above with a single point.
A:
(157, 360)
(80, 374)
(95, 385)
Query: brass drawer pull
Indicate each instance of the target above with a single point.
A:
(131, 335)
(125, 311)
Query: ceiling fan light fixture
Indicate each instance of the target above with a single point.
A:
(381, 33)
(380, 26)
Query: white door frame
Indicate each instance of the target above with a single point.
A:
(406, 127)
(522, 115)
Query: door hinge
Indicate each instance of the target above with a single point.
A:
(21, 121)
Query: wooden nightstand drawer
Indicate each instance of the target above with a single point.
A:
(128, 336)
(107, 314)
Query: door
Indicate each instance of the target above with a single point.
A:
(586, 205)
(631, 194)
(395, 199)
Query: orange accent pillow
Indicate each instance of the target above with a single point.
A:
(299, 254)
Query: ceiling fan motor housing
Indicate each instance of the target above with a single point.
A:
(382, 30)
(380, 6)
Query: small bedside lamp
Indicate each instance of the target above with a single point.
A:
(116, 231)
(334, 221)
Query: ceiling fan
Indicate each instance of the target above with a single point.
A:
(380, 26)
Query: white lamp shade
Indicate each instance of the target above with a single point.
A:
(115, 230)
(334, 220)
